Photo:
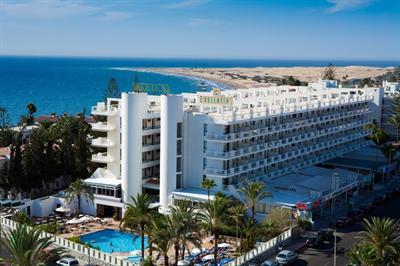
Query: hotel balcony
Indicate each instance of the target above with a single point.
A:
(150, 147)
(102, 109)
(102, 126)
(149, 163)
(102, 157)
(263, 130)
(102, 143)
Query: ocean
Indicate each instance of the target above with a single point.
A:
(70, 85)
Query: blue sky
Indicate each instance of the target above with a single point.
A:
(277, 29)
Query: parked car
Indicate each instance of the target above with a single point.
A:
(286, 256)
(67, 261)
(327, 233)
(356, 214)
(269, 263)
(367, 208)
(315, 241)
(343, 221)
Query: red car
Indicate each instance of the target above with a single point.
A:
(343, 221)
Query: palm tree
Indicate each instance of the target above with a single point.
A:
(162, 235)
(250, 231)
(139, 213)
(31, 109)
(214, 220)
(187, 221)
(208, 184)
(381, 234)
(395, 121)
(253, 192)
(238, 215)
(362, 254)
(27, 247)
(378, 135)
(78, 189)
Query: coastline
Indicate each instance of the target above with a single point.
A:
(212, 82)
(241, 77)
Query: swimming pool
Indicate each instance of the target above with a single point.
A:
(110, 240)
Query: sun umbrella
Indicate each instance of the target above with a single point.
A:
(136, 253)
(224, 245)
(197, 251)
(208, 257)
(183, 263)
(74, 221)
(63, 209)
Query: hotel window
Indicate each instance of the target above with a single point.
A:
(179, 130)
(179, 147)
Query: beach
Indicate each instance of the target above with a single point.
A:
(260, 76)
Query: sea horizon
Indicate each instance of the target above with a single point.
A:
(71, 84)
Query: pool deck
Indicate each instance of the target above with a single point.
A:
(78, 230)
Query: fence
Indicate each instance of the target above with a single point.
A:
(92, 253)
(267, 246)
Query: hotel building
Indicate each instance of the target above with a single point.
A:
(166, 145)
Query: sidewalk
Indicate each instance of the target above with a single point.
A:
(341, 210)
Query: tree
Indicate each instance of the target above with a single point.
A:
(112, 90)
(237, 214)
(29, 119)
(139, 213)
(162, 235)
(208, 184)
(186, 222)
(27, 247)
(253, 192)
(77, 190)
(381, 234)
(362, 254)
(7, 136)
(396, 103)
(136, 84)
(214, 220)
(329, 72)
(378, 135)
(395, 121)
(279, 217)
(4, 119)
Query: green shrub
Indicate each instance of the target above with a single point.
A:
(305, 224)
(76, 239)
(50, 228)
(22, 218)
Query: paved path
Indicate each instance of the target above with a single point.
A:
(345, 237)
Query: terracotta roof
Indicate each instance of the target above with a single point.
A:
(48, 118)
(5, 152)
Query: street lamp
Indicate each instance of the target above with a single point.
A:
(335, 186)
(334, 250)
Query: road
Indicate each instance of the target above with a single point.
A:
(345, 239)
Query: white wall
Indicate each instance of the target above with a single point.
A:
(134, 110)
(193, 149)
(171, 114)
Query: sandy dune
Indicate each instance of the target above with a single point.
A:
(243, 77)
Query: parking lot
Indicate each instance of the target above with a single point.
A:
(323, 255)
(346, 237)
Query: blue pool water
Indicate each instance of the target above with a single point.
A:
(110, 240)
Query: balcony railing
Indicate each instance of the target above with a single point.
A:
(249, 113)
(263, 130)
(102, 126)
(102, 142)
(254, 165)
(102, 157)
(104, 110)
(291, 139)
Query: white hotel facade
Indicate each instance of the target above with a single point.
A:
(168, 144)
